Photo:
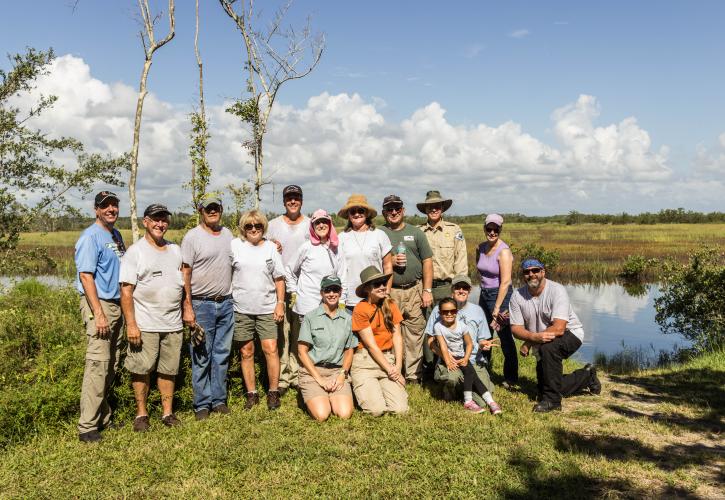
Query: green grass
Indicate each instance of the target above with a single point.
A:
(653, 434)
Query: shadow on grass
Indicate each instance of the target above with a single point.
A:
(669, 458)
(568, 481)
(701, 387)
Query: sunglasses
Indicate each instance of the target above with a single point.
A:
(212, 208)
(448, 312)
(394, 209)
(107, 204)
(292, 197)
(258, 226)
(357, 211)
(332, 289)
(533, 270)
(462, 287)
(379, 283)
(492, 229)
(435, 208)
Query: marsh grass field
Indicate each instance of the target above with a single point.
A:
(587, 252)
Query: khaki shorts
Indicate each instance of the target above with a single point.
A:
(246, 326)
(160, 350)
(311, 389)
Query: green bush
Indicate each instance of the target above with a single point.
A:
(550, 258)
(635, 267)
(692, 301)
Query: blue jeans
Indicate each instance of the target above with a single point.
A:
(487, 301)
(210, 360)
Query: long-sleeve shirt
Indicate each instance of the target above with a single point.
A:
(305, 271)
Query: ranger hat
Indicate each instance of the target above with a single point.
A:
(432, 197)
(104, 196)
(156, 209)
(368, 275)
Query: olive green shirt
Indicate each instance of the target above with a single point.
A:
(327, 337)
(417, 250)
(449, 249)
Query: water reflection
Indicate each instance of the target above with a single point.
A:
(612, 317)
(46, 279)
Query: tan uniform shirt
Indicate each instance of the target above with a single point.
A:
(449, 249)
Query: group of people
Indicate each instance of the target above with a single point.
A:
(342, 318)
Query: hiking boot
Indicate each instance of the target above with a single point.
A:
(252, 399)
(273, 401)
(473, 407)
(141, 424)
(494, 408)
(202, 414)
(222, 409)
(546, 407)
(90, 437)
(595, 386)
(170, 420)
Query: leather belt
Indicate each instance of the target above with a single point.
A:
(406, 286)
(328, 365)
(437, 283)
(216, 298)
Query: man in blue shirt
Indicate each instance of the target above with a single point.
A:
(98, 258)
(474, 318)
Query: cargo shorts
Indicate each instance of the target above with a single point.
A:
(159, 350)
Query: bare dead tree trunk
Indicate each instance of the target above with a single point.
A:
(149, 48)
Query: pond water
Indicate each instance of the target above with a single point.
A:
(613, 318)
(46, 279)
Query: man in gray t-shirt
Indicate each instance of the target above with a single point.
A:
(542, 316)
(207, 254)
(289, 231)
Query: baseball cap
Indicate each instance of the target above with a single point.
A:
(210, 199)
(531, 262)
(494, 218)
(156, 209)
(461, 278)
(291, 189)
(330, 281)
(104, 196)
(392, 199)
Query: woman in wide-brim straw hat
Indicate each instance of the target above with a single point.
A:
(377, 364)
(361, 245)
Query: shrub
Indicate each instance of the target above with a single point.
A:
(635, 267)
(550, 258)
(692, 301)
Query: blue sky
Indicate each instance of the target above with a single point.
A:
(482, 62)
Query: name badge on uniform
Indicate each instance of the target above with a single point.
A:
(408, 237)
(156, 274)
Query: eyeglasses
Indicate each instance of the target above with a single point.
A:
(379, 283)
(492, 229)
(258, 226)
(394, 208)
(448, 312)
(358, 211)
(332, 289)
(533, 270)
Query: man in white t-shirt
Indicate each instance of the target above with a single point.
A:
(542, 316)
(289, 231)
(152, 288)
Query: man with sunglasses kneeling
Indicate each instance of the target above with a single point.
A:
(542, 316)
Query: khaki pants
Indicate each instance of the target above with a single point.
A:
(374, 391)
(287, 334)
(412, 329)
(452, 382)
(102, 362)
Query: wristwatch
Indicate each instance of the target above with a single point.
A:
(429, 290)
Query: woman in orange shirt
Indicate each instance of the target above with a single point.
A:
(377, 363)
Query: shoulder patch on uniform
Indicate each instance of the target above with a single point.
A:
(459, 235)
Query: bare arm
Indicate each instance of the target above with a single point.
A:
(388, 269)
(469, 347)
(303, 353)
(556, 329)
(427, 297)
(398, 347)
(279, 308)
(88, 283)
(505, 262)
(188, 310)
(444, 353)
(368, 340)
(129, 314)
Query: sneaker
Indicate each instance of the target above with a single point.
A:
(494, 408)
(221, 408)
(90, 437)
(141, 424)
(472, 407)
(595, 386)
(202, 414)
(273, 401)
(252, 399)
(170, 420)
(546, 407)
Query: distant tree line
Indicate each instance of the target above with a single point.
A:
(180, 220)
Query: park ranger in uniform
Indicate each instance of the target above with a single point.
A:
(447, 243)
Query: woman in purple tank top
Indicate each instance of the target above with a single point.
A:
(494, 261)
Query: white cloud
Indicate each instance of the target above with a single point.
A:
(339, 144)
(520, 33)
(711, 162)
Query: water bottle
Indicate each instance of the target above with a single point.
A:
(400, 249)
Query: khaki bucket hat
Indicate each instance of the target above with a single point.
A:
(357, 200)
(432, 197)
(368, 275)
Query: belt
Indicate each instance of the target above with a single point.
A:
(406, 286)
(112, 301)
(216, 298)
(437, 283)
(328, 365)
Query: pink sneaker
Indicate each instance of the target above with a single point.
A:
(473, 407)
(494, 408)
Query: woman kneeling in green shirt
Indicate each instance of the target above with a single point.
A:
(326, 344)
